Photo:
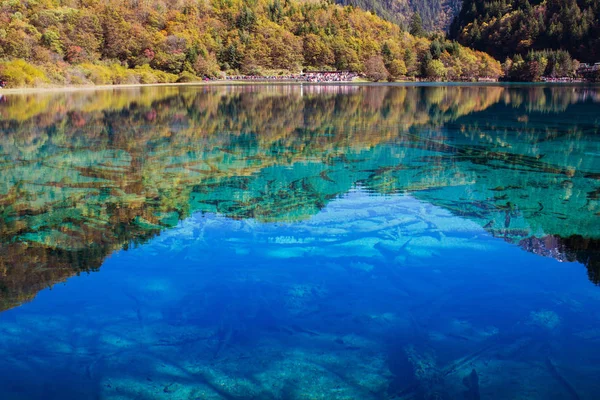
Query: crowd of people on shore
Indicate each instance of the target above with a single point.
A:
(303, 77)
(564, 79)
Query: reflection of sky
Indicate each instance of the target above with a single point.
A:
(218, 307)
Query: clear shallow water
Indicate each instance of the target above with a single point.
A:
(301, 242)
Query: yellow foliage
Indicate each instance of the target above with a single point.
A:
(113, 42)
(18, 73)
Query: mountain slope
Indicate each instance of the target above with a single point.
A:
(103, 42)
(507, 27)
(436, 14)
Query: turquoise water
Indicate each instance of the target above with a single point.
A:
(301, 242)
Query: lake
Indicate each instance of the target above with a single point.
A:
(301, 242)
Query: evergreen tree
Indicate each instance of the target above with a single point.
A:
(416, 26)
(509, 27)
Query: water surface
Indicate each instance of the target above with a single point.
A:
(296, 242)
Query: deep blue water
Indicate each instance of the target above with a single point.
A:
(286, 280)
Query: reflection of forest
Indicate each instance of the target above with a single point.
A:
(86, 173)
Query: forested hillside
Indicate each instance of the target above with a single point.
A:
(507, 27)
(105, 42)
(435, 14)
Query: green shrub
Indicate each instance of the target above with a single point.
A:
(146, 74)
(149, 75)
(98, 74)
(122, 75)
(187, 77)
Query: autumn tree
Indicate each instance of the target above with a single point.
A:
(375, 69)
(114, 41)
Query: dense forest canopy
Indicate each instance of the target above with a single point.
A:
(435, 14)
(503, 28)
(116, 41)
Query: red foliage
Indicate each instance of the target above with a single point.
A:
(75, 54)
(149, 54)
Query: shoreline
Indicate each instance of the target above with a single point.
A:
(73, 88)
